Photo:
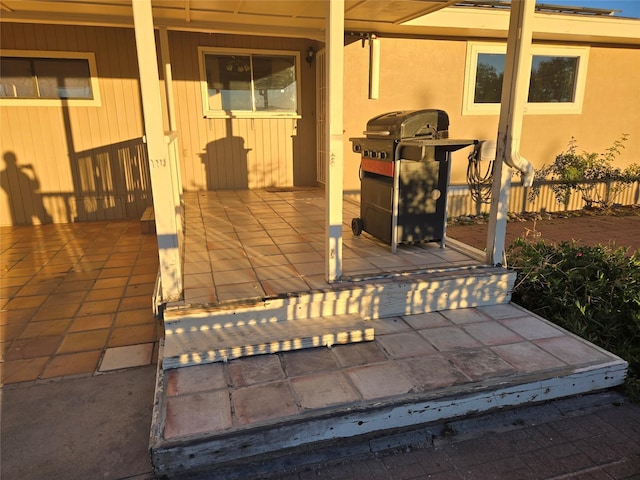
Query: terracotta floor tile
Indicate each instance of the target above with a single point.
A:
(323, 389)
(104, 294)
(11, 332)
(136, 303)
(135, 317)
(94, 308)
(128, 356)
(258, 369)
(235, 276)
(198, 378)
(284, 285)
(405, 344)
(262, 402)
(22, 370)
(239, 290)
(84, 341)
(72, 364)
(139, 289)
(479, 363)
(433, 372)
(146, 269)
(66, 298)
(40, 289)
(23, 348)
(8, 292)
(17, 316)
(56, 312)
(115, 272)
(492, 333)
(570, 350)
(132, 335)
(45, 328)
(310, 361)
(380, 380)
(359, 354)
(114, 282)
(526, 357)
(71, 284)
(202, 412)
(26, 302)
(92, 322)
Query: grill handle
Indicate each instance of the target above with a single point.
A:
(377, 133)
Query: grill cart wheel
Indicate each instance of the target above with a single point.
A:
(357, 226)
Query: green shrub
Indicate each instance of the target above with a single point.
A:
(593, 292)
(584, 173)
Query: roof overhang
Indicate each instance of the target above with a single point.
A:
(473, 22)
(307, 18)
(289, 18)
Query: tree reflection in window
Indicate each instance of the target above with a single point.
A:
(553, 78)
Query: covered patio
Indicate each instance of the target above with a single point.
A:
(250, 280)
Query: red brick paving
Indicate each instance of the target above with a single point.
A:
(619, 231)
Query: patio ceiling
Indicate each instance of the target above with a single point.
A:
(293, 18)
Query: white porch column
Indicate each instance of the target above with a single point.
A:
(162, 183)
(168, 77)
(334, 164)
(515, 90)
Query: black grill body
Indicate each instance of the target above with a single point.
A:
(404, 175)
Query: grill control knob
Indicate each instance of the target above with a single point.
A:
(383, 155)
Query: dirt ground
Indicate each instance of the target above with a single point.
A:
(618, 227)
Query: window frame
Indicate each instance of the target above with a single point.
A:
(469, 107)
(56, 102)
(204, 87)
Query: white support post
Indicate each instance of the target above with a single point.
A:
(168, 77)
(162, 183)
(335, 139)
(515, 89)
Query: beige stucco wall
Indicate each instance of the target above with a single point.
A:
(417, 74)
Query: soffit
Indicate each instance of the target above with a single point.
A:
(303, 18)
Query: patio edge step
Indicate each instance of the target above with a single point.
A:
(239, 339)
(381, 297)
(358, 431)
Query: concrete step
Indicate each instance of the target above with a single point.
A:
(244, 339)
(248, 418)
(205, 334)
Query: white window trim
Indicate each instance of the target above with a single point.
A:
(539, 108)
(204, 89)
(56, 102)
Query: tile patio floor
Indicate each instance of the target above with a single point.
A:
(76, 298)
(252, 244)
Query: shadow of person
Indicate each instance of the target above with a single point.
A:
(23, 190)
(226, 164)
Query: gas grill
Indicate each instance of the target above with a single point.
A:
(404, 176)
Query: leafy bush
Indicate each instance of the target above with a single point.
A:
(593, 292)
(585, 173)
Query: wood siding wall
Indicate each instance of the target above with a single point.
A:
(66, 163)
(241, 153)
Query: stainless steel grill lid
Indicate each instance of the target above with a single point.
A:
(397, 125)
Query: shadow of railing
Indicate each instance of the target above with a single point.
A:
(112, 181)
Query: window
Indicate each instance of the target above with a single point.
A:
(46, 78)
(250, 84)
(558, 76)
